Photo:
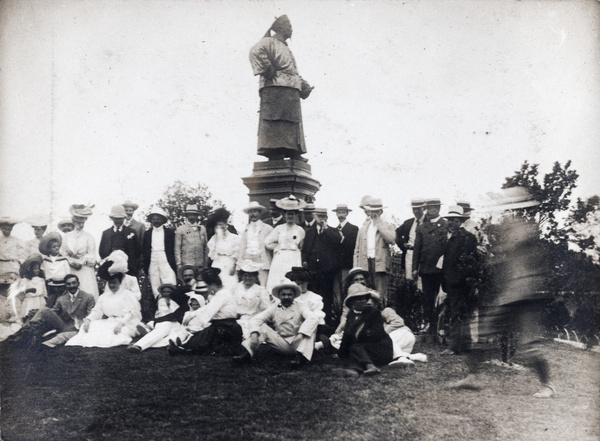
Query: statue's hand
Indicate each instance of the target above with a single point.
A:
(306, 90)
(270, 73)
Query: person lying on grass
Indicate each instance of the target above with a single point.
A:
(293, 330)
(365, 343)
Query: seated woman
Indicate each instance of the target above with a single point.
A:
(10, 321)
(116, 318)
(250, 297)
(30, 289)
(120, 265)
(365, 343)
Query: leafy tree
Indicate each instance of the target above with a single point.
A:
(585, 226)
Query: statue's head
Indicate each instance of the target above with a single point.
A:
(282, 26)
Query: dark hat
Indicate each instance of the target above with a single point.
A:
(434, 202)
(356, 290)
(278, 288)
(105, 274)
(219, 215)
(466, 206)
(25, 266)
(211, 276)
(299, 274)
(47, 239)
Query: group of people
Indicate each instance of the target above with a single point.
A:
(290, 281)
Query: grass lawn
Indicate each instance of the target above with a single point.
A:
(89, 394)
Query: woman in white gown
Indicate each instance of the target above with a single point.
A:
(79, 248)
(223, 247)
(114, 321)
(249, 296)
(286, 242)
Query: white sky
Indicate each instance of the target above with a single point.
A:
(102, 101)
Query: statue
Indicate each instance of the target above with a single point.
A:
(280, 132)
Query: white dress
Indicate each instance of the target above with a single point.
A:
(116, 307)
(249, 302)
(80, 247)
(286, 243)
(223, 250)
(30, 301)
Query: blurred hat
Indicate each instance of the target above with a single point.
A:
(128, 203)
(119, 262)
(166, 285)
(434, 202)
(34, 258)
(191, 209)
(358, 270)
(219, 215)
(81, 210)
(249, 266)
(8, 220)
(291, 203)
(466, 206)
(365, 200)
(455, 211)
(38, 220)
(117, 212)
(310, 207)
(210, 275)
(104, 271)
(417, 203)
(159, 211)
(375, 295)
(341, 207)
(321, 211)
(277, 289)
(512, 199)
(47, 239)
(299, 274)
(374, 205)
(65, 221)
(254, 206)
(356, 290)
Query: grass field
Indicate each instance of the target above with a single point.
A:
(88, 394)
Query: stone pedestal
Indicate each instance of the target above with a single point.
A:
(280, 178)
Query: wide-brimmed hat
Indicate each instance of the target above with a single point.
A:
(8, 220)
(299, 274)
(46, 239)
(253, 206)
(211, 275)
(219, 215)
(25, 266)
(512, 198)
(309, 208)
(119, 262)
(433, 202)
(159, 211)
(128, 203)
(291, 203)
(249, 266)
(321, 210)
(182, 268)
(81, 210)
(117, 212)
(455, 211)
(56, 282)
(277, 289)
(375, 295)
(104, 271)
(341, 207)
(417, 203)
(191, 209)
(374, 205)
(365, 200)
(38, 220)
(466, 206)
(166, 285)
(357, 270)
(356, 290)
(65, 221)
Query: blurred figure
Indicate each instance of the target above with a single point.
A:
(223, 247)
(252, 241)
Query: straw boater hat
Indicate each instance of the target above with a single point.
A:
(341, 207)
(455, 211)
(46, 239)
(159, 211)
(356, 290)
(374, 205)
(25, 266)
(249, 266)
(299, 274)
(321, 211)
(117, 212)
(291, 203)
(309, 208)
(254, 206)
(8, 220)
(80, 210)
(293, 286)
(433, 202)
(201, 288)
(166, 285)
(417, 203)
(191, 209)
(365, 200)
(128, 203)
(38, 220)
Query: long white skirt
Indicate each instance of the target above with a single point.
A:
(101, 334)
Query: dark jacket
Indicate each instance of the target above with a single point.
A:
(80, 309)
(321, 251)
(430, 244)
(460, 258)
(125, 240)
(346, 250)
(402, 233)
(169, 248)
(369, 325)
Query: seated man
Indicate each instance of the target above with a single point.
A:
(65, 317)
(293, 331)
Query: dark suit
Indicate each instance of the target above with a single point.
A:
(430, 245)
(402, 236)
(460, 260)
(169, 248)
(345, 263)
(126, 240)
(320, 253)
(372, 345)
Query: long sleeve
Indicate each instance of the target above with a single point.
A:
(178, 242)
(392, 321)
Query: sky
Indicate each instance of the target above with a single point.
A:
(102, 101)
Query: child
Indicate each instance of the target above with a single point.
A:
(31, 287)
(54, 265)
(9, 321)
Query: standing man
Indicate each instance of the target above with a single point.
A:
(309, 217)
(406, 234)
(372, 246)
(130, 222)
(459, 270)
(345, 255)
(252, 246)
(276, 218)
(469, 224)
(320, 256)
(430, 244)
(120, 237)
(158, 251)
(191, 241)
(280, 132)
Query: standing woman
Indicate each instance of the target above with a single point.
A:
(223, 247)
(79, 248)
(286, 241)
